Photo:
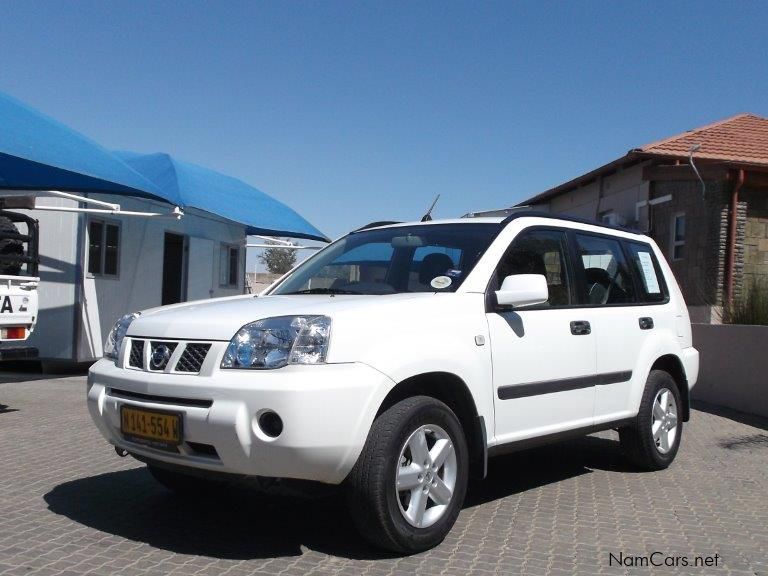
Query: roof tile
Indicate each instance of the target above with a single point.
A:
(741, 138)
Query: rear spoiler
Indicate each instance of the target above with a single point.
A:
(31, 255)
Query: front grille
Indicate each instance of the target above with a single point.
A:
(192, 358)
(160, 354)
(189, 356)
(136, 358)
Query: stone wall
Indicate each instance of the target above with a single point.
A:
(755, 246)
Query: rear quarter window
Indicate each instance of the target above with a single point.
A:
(646, 269)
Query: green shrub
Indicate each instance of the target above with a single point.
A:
(750, 307)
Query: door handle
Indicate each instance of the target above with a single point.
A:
(645, 323)
(580, 328)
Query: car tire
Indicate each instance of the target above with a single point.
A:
(180, 483)
(10, 247)
(408, 485)
(652, 441)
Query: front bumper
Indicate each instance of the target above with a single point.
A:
(327, 411)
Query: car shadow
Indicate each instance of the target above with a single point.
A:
(238, 524)
(525, 470)
(243, 524)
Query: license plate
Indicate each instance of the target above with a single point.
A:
(13, 304)
(153, 427)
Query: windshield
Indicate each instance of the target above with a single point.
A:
(419, 258)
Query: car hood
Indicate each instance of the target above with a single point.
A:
(220, 319)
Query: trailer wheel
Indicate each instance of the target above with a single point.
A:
(9, 247)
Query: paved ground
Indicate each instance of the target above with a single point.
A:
(70, 506)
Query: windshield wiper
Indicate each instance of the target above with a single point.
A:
(323, 291)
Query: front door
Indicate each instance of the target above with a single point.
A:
(174, 264)
(543, 356)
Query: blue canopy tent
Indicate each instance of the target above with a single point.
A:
(37, 153)
(208, 190)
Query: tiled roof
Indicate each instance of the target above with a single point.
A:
(741, 139)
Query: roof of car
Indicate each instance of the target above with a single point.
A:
(502, 221)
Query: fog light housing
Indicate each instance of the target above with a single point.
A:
(271, 424)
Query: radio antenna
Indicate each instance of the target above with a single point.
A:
(428, 216)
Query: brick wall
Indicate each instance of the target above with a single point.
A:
(700, 272)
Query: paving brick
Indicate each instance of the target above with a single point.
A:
(71, 506)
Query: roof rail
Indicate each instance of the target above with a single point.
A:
(376, 225)
(495, 213)
(540, 214)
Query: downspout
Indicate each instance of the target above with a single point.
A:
(732, 226)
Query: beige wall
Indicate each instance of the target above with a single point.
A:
(259, 281)
(619, 192)
(733, 366)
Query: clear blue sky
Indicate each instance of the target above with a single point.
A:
(358, 111)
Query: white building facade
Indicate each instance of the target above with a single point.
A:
(94, 268)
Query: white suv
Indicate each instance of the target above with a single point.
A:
(398, 359)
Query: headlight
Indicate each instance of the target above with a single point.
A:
(277, 342)
(116, 335)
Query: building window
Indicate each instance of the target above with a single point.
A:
(678, 236)
(103, 248)
(229, 265)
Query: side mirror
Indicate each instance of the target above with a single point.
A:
(520, 290)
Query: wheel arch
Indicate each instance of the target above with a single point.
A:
(453, 392)
(672, 365)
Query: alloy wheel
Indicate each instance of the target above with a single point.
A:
(426, 475)
(664, 421)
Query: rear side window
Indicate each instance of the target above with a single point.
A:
(606, 274)
(648, 272)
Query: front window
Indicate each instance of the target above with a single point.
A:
(678, 236)
(229, 265)
(419, 258)
(542, 252)
(103, 248)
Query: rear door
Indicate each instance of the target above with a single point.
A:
(622, 319)
(543, 356)
(640, 322)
